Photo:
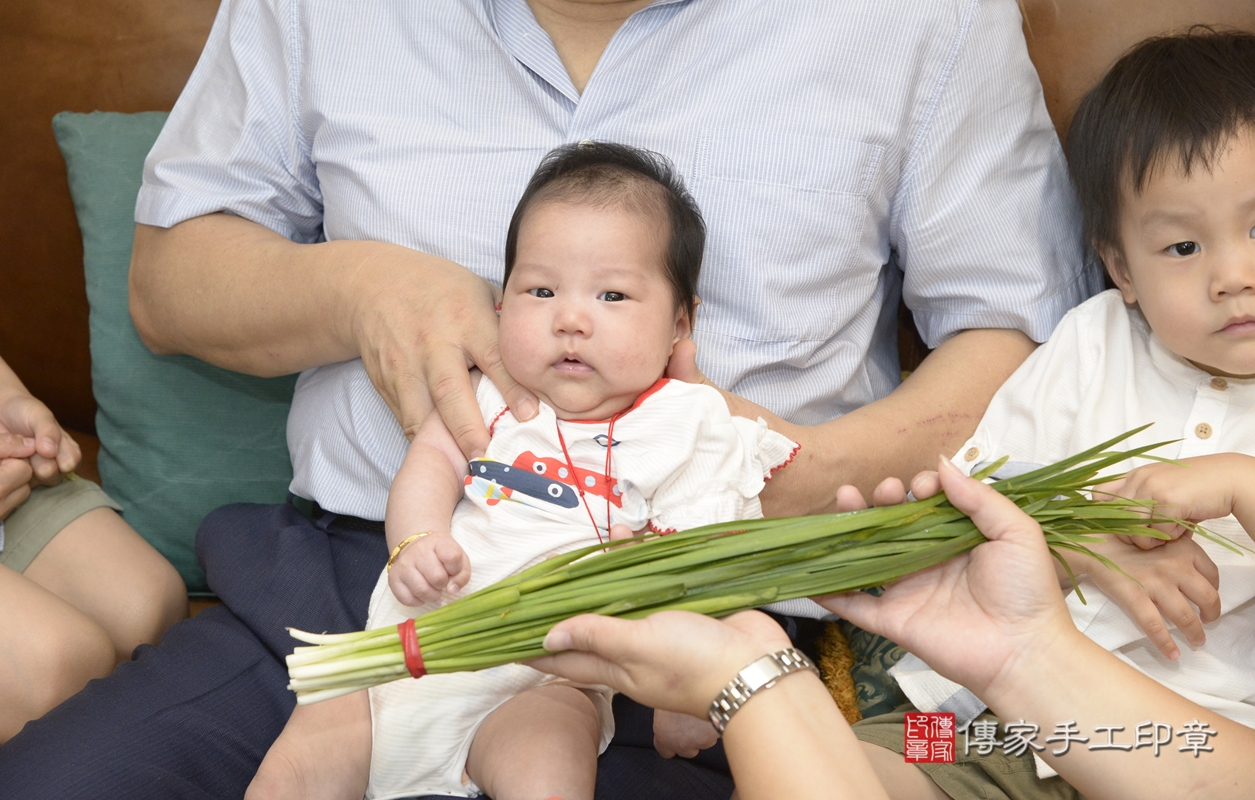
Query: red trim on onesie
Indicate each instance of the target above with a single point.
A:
(784, 463)
(661, 531)
(504, 410)
(409, 646)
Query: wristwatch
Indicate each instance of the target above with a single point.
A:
(760, 674)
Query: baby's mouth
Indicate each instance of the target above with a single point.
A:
(572, 364)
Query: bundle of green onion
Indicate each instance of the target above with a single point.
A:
(717, 570)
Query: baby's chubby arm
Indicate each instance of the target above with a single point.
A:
(421, 501)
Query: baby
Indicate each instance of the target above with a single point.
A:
(602, 259)
(1162, 153)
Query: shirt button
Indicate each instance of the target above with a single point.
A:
(1219, 383)
(1202, 430)
(971, 454)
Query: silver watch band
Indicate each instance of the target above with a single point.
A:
(760, 674)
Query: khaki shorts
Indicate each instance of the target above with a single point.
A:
(997, 776)
(30, 526)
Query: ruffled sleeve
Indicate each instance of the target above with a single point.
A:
(732, 459)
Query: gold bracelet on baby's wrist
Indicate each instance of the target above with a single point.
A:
(404, 543)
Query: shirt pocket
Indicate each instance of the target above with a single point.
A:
(785, 215)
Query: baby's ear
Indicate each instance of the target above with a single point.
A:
(684, 319)
(1117, 270)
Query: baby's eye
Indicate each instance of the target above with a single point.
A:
(1183, 248)
(612, 297)
(540, 292)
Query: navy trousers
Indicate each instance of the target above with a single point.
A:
(193, 717)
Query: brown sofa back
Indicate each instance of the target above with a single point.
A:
(135, 55)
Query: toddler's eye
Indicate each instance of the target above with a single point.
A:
(1183, 248)
(540, 292)
(612, 297)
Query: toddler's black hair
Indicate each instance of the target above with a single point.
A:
(1170, 101)
(610, 174)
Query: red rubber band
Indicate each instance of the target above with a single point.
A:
(409, 646)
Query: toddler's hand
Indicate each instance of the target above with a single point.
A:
(55, 453)
(1195, 489)
(433, 564)
(681, 735)
(1172, 577)
(15, 471)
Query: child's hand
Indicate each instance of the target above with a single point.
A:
(1195, 489)
(425, 568)
(55, 453)
(681, 735)
(15, 471)
(1172, 577)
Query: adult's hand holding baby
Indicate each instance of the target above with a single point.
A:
(208, 286)
(420, 322)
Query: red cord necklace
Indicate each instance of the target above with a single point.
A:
(579, 485)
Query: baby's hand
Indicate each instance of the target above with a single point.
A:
(1194, 489)
(425, 568)
(1172, 577)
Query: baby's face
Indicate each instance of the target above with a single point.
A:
(1189, 259)
(588, 319)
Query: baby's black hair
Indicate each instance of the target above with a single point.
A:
(1169, 101)
(610, 174)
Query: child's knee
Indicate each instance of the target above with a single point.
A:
(152, 605)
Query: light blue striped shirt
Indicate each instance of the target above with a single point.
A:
(843, 153)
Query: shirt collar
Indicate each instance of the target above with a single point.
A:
(517, 28)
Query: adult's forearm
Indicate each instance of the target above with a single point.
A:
(933, 412)
(236, 294)
(1079, 681)
(793, 742)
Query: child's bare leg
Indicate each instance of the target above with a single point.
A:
(48, 651)
(102, 567)
(323, 753)
(541, 744)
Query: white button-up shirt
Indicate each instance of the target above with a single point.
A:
(1102, 373)
(843, 154)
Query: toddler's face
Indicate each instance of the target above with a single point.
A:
(1189, 259)
(588, 320)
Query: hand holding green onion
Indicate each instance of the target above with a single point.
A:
(719, 570)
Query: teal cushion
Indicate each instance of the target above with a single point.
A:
(178, 437)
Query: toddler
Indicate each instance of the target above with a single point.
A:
(602, 259)
(79, 588)
(1162, 153)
